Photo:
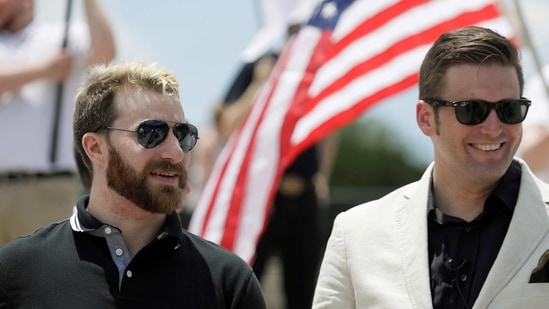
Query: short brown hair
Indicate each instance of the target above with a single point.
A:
(468, 45)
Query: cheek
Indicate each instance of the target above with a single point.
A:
(517, 133)
(136, 161)
(187, 160)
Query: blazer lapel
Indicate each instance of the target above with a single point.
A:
(528, 227)
(411, 222)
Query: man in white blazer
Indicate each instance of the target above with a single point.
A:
(473, 231)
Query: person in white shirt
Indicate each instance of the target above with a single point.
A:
(34, 188)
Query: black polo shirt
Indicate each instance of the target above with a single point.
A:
(461, 253)
(83, 264)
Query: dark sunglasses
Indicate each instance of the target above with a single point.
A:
(471, 112)
(151, 133)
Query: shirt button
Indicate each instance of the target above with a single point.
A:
(119, 252)
(463, 278)
(108, 230)
(468, 228)
(129, 273)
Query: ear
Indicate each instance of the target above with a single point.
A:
(425, 118)
(96, 148)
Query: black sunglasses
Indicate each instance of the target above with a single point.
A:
(151, 133)
(471, 112)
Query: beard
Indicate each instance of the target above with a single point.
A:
(6, 25)
(133, 186)
(11, 19)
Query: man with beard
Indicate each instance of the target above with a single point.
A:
(124, 246)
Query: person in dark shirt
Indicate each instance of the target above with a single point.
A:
(473, 231)
(293, 230)
(124, 246)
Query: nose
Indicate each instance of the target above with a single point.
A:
(171, 149)
(492, 126)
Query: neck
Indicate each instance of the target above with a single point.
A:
(138, 227)
(464, 199)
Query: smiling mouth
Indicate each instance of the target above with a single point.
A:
(487, 147)
(165, 174)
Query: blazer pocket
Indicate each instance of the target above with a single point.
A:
(536, 290)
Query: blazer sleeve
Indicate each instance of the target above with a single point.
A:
(334, 288)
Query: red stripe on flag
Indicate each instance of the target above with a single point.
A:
(210, 208)
(375, 22)
(301, 99)
(353, 113)
(398, 48)
(235, 206)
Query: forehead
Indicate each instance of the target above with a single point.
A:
(491, 82)
(140, 104)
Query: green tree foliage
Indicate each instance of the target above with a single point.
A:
(372, 155)
(371, 162)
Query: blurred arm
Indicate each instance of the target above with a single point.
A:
(328, 149)
(102, 47)
(535, 147)
(102, 50)
(233, 114)
(56, 68)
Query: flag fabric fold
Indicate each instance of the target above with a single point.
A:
(349, 56)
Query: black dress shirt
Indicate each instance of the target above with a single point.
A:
(462, 253)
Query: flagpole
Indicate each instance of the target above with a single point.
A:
(525, 35)
(59, 93)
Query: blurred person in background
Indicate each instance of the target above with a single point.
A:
(36, 189)
(206, 153)
(293, 231)
(534, 148)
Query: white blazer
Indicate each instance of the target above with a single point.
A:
(377, 254)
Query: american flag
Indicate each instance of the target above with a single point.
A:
(349, 56)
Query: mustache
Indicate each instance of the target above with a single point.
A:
(167, 167)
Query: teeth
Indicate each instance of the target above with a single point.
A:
(488, 147)
(164, 174)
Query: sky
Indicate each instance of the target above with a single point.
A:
(202, 42)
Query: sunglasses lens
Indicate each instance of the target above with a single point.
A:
(512, 112)
(151, 133)
(475, 112)
(187, 134)
(472, 112)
